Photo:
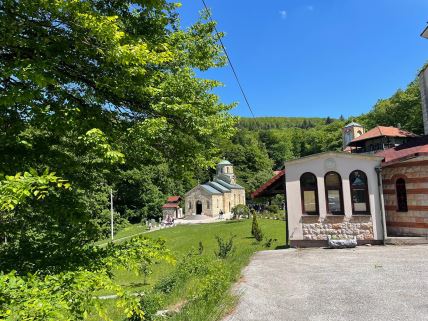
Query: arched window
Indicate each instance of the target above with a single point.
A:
(333, 193)
(359, 192)
(400, 188)
(208, 205)
(309, 193)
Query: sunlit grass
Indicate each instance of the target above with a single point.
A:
(182, 239)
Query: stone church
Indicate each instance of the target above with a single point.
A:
(216, 196)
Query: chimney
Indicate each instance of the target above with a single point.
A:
(423, 84)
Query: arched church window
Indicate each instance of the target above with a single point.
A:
(309, 193)
(333, 193)
(359, 192)
(208, 205)
(400, 188)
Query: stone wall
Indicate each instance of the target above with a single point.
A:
(339, 226)
(168, 211)
(237, 197)
(198, 194)
(414, 222)
(226, 202)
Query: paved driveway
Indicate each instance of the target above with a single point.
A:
(367, 283)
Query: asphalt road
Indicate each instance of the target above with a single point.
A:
(367, 283)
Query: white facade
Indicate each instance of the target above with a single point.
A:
(348, 224)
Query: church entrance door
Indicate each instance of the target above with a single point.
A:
(199, 207)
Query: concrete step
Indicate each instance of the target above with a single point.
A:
(406, 240)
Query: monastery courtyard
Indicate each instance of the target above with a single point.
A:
(366, 283)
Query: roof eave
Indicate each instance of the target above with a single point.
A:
(404, 158)
(343, 154)
(424, 33)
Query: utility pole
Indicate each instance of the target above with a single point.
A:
(111, 216)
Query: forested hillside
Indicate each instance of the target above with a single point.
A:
(280, 122)
(263, 144)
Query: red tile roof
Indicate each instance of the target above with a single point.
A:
(381, 131)
(170, 205)
(268, 184)
(174, 199)
(416, 147)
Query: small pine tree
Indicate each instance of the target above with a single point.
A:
(200, 248)
(256, 231)
(225, 248)
(328, 120)
(254, 224)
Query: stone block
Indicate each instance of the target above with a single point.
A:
(340, 244)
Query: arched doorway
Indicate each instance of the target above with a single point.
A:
(199, 207)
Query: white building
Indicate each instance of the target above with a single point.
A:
(331, 194)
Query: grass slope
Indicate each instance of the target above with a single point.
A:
(125, 233)
(181, 239)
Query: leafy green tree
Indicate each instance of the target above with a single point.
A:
(250, 159)
(403, 109)
(280, 145)
(239, 211)
(72, 295)
(94, 90)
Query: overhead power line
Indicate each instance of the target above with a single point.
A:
(228, 59)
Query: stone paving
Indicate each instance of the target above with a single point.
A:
(202, 219)
(367, 283)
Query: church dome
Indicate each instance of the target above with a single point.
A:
(224, 162)
(353, 124)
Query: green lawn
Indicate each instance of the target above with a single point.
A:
(125, 233)
(181, 239)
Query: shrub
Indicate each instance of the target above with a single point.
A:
(150, 303)
(254, 224)
(240, 210)
(224, 247)
(191, 264)
(167, 284)
(213, 284)
(200, 248)
(269, 242)
(256, 230)
(273, 208)
(72, 295)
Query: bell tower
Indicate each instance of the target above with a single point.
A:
(225, 172)
(351, 131)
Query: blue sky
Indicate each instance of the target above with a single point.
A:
(316, 57)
